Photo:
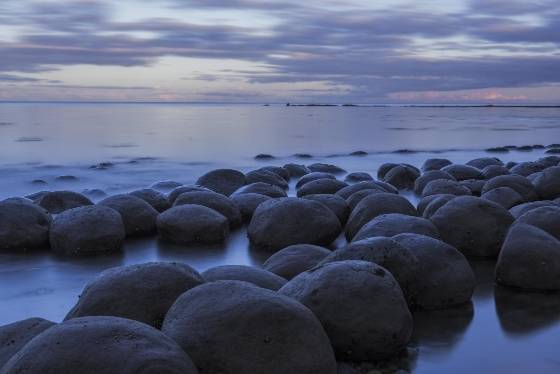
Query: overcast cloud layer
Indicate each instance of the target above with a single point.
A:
(269, 50)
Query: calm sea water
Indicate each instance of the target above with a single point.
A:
(502, 331)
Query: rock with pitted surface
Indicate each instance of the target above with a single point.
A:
(445, 186)
(192, 224)
(262, 189)
(360, 305)
(23, 225)
(475, 226)
(402, 176)
(248, 203)
(295, 259)
(336, 204)
(15, 336)
(517, 182)
(138, 216)
(93, 345)
(87, 230)
(435, 164)
(547, 184)
(224, 181)
(155, 198)
(463, 172)
(297, 170)
(321, 186)
(250, 330)
(312, 177)
(326, 168)
(389, 225)
(266, 176)
(213, 200)
(279, 223)
(143, 292)
(429, 176)
(258, 277)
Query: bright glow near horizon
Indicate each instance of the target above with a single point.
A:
(276, 51)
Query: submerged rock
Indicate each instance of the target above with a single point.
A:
(374, 322)
(326, 168)
(279, 223)
(252, 330)
(297, 170)
(58, 201)
(295, 259)
(87, 230)
(190, 224)
(213, 200)
(143, 292)
(224, 181)
(358, 177)
(138, 216)
(258, 277)
(482, 162)
(93, 345)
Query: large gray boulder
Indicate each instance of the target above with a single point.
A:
(266, 176)
(376, 205)
(143, 292)
(224, 181)
(248, 203)
(482, 162)
(279, 223)
(463, 172)
(421, 182)
(358, 177)
(518, 210)
(192, 224)
(392, 224)
(546, 218)
(360, 305)
(295, 259)
(213, 200)
(173, 195)
(326, 168)
(138, 216)
(312, 177)
(235, 327)
(517, 182)
(402, 176)
(101, 345)
(547, 183)
(335, 203)
(530, 258)
(492, 171)
(87, 230)
(505, 196)
(435, 164)
(261, 188)
(445, 187)
(475, 226)
(58, 201)
(23, 225)
(321, 186)
(442, 275)
(346, 192)
(297, 170)
(258, 277)
(15, 336)
(436, 203)
(155, 198)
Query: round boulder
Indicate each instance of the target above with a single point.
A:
(297, 170)
(236, 327)
(475, 226)
(93, 345)
(492, 171)
(547, 184)
(15, 336)
(517, 182)
(155, 198)
(58, 201)
(505, 196)
(262, 189)
(389, 225)
(321, 186)
(336, 204)
(435, 164)
(224, 181)
(527, 168)
(295, 259)
(446, 187)
(278, 170)
(374, 322)
(437, 203)
(356, 197)
(258, 277)
(402, 176)
(312, 177)
(23, 225)
(326, 168)
(143, 292)
(375, 205)
(429, 176)
(173, 195)
(546, 218)
(266, 176)
(481, 163)
(248, 203)
(358, 177)
(346, 192)
(279, 223)
(518, 210)
(190, 224)
(384, 169)
(463, 172)
(213, 200)
(138, 216)
(87, 230)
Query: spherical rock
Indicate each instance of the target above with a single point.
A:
(336, 204)
(445, 186)
(258, 277)
(138, 216)
(518, 210)
(481, 163)
(463, 172)
(348, 191)
(262, 189)
(429, 176)
(547, 184)
(358, 177)
(155, 198)
(87, 230)
(213, 200)
(312, 177)
(266, 176)
(142, 292)
(278, 170)
(425, 201)
(492, 171)
(389, 225)
(356, 197)
(546, 218)
(279, 223)
(474, 185)
(384, 169)
(530, 258)
(326, 168)
(224, 181)
(295, 259)
(248, 203)
(435, 164)
(236, 327)
(92, 345)
(437, 203)
(475, 226)
(297, 170)
(23, 225)
(505, 196)
(321, 186)
(402, 176)
(189, 224)
(520, 184)
(442, 275)
(58, 201)
(173, 195)
(527, 168)
(376, 205)
(165, 186)
(15, 336)
(374, 323)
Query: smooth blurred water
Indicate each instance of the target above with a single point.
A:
(503, 331)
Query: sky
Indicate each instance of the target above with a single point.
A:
(344, 51)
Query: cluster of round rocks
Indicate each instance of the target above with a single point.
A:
(308, 309)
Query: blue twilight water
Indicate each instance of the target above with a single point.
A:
(503, 331)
